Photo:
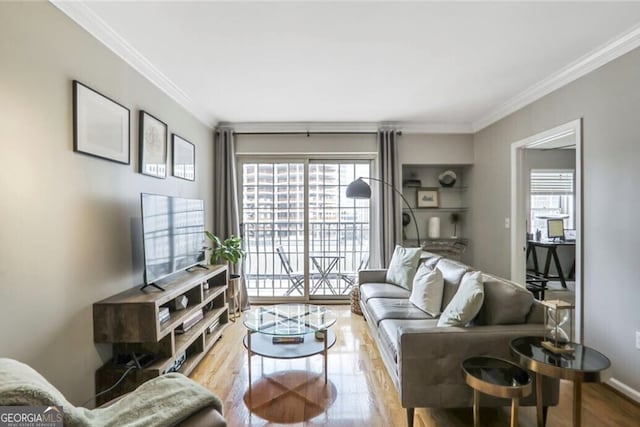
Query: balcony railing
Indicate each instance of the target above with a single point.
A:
(336, 251)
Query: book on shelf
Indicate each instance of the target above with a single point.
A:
(212, 327)
(163, 314)
(288, 340)
(190, 321)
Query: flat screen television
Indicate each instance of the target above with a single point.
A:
(173, 235)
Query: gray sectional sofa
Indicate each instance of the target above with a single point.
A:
(424, 360)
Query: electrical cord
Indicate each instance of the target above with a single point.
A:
(131, 368)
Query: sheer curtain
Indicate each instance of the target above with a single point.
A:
(226, 213)
(386, 202)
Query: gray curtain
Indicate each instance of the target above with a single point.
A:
(226, 214)
(390, 227)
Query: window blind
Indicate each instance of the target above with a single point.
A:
(551, 182)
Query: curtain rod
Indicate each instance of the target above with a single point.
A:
(309, 133)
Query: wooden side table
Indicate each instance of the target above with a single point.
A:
(497, 377)
(233, 294)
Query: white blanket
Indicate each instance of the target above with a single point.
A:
(162, 401)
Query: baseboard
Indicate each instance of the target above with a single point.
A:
(625, 389)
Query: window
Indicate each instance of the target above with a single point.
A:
(552, 195)
(280, 227)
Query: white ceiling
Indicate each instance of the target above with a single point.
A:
(451, 65)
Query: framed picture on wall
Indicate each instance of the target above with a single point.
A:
(427, 198)
(100, 125)
(153, 146)
(184, 158)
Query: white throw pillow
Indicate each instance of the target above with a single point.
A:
(428, 287)
(403, 266)
(466, 303)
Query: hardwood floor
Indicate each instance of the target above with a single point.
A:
(364, 393)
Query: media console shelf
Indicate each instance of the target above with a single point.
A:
(131, 322)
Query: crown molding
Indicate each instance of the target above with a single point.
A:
(611, 50)
(82, 14)
(346, 127)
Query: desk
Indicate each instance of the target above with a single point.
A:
(552, 252)
(325, 265)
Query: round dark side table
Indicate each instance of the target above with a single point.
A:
(582, 366)
(499, 378)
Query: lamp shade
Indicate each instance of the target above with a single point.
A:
(358, 189)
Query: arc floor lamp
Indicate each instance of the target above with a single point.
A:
(359, 189)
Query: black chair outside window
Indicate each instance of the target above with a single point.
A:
(295, 277)
(351, 277)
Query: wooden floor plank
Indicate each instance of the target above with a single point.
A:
(365, 395)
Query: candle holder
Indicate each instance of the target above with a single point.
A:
(557, 314)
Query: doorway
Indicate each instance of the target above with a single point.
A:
(546, 213)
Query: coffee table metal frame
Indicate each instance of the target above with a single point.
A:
(514, 391)
(577, 376)
(258, 340)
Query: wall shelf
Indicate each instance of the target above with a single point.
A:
(455, 199)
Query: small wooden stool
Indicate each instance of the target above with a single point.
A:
(497, 377)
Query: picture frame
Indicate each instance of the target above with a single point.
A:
(427, 198)
(153, 145)
(101, 126)
(184, 158)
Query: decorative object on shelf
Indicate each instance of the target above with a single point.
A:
(412, 183)
(406, 220)
(455, 218)
(184, 158)
(557, 315)
(100, 125)
(447, 178)
(180, 303)
(359, 189)
(427, 198)
(434, 227)
(153, 146)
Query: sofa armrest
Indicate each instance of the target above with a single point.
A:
(372, 276)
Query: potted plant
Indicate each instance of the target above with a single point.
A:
(230, 250)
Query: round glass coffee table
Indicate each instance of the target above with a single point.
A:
(289, 331)
(583, 365)
(499, 378)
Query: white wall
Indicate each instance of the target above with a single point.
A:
(69, 223)
(319, 144)
(608, 100)
(430, 149)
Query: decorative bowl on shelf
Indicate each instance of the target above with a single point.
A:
(447, 178)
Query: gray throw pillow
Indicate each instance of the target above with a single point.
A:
(428, 286)
(505, 303)
(466, 303)
(403, 266)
